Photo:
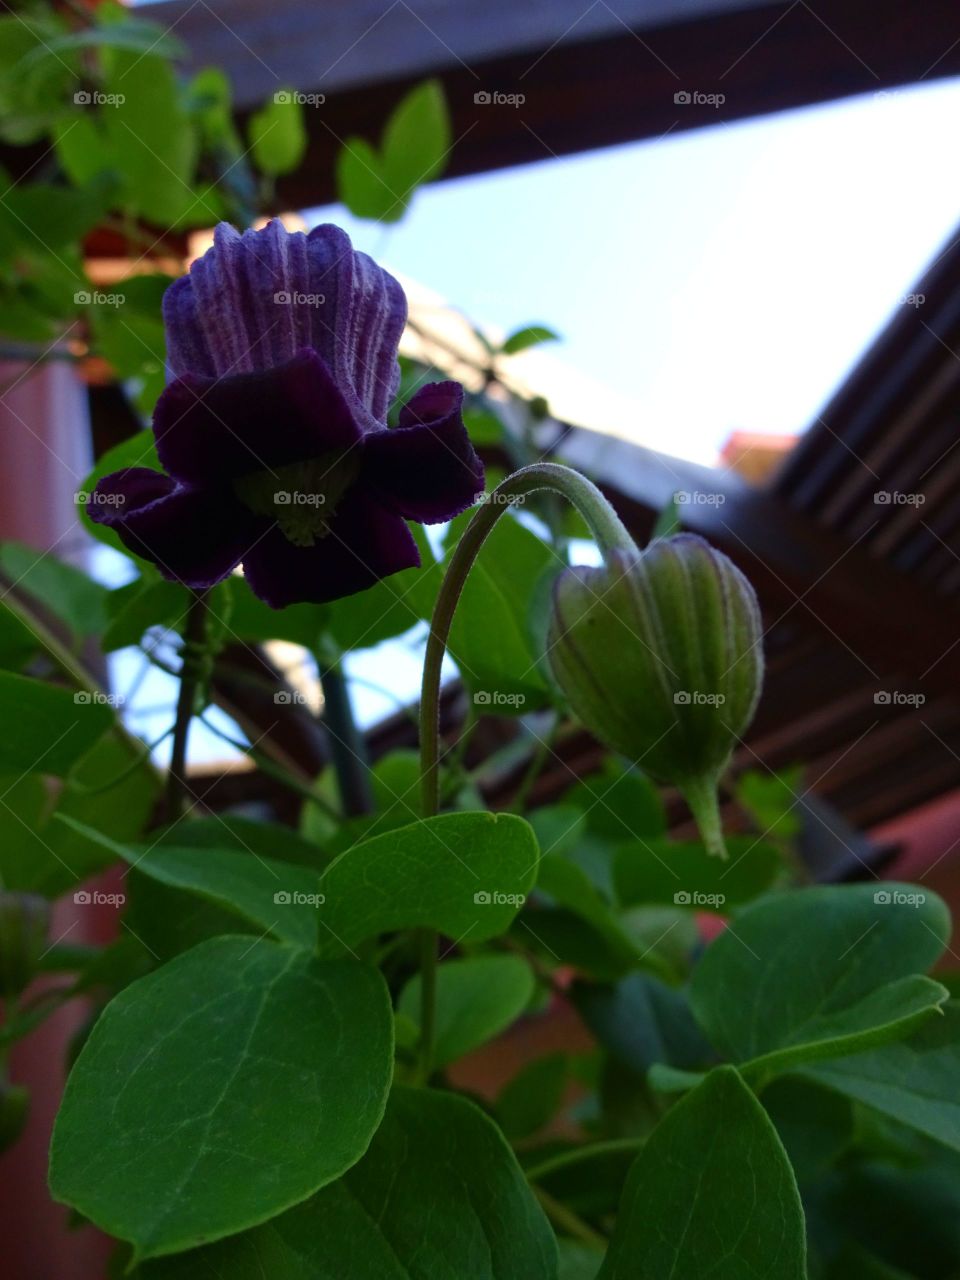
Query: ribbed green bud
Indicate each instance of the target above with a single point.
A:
(659, 654)
(24, 920)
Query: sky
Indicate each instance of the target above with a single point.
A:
(725, 278)
(722, 279)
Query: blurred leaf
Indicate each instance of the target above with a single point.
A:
(139, 605)
(361, 185)
(642, 1021)
(771, 800)
(47, 728)
(533, 1097)
(668, 521)
(620, 804)
(278, 138)
(529, 336)
(682, 872)
(477, 998)
(67, 592)
(815, 1124)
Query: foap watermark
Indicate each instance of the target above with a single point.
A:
(94, 298)
(290, 698)
(694, 898)
(913, 300)
(93, 498)
(297, 898)
(696, 698)
(94, 898)
(897, 698)
(298, 498)
(894, 498)
(85, 697)
(501, 499)
(291, 97)
(494, 98)
(285, 298)
(898, 898)
(94, 98)
(698, 498)
(494, 698)
(694, 98)
(494, 898)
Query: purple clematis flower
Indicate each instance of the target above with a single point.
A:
(273, 435)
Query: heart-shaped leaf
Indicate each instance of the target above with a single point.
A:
(220, 1090)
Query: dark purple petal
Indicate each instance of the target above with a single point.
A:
(211, 429)
(365, 543)
(254, 300)
(426, 469)
(194, 536)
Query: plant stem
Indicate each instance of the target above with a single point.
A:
(193, 637)
(610, 534)
(347, 748)
(578, 1154)
(568, 1221)
(606, 528)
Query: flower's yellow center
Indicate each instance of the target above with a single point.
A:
(303, 496)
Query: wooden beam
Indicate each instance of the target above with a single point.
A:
(591, 75)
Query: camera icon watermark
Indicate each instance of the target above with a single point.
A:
(694, 98)
(96, 697)
(94, 298)
(290, 698)
(696, 698)
(501, 499)
(288, 298)
(297, 898)
(297, 498)
(94, 98)
(487, 898)
(894, 498)
(898, 698)
(290, 97)
(898, 898)
(487, 98)
(494, 698)
(698, 498)
(93, 498)
(693, 898)
(94, 898)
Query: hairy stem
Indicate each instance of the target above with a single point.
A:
(190, 674)
(610, 534)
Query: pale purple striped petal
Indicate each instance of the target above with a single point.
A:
(254, 300)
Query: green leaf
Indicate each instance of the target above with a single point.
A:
(620, 804)
(643, 1021)
(277, 134)
(846, 961)
(914, 1081)
(685, 874)
(220, 1090)
(729, 1208)
(491, 638)
(533, 1097)
(438, 1195)
(388, 608)
(465, 874)
(477, 998)
(259, 839)
(277, 897)
(47, 728)
(771, 800)
(18, 643)
(529, 336)
(66, 591)
(578, 1261)
(815, 1124)
(151, 138)
(361, 184)
(416, 141)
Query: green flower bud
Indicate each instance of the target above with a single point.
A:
(659, 654)
(24, 920)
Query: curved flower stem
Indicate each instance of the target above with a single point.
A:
(610, 534)
(194, 635)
